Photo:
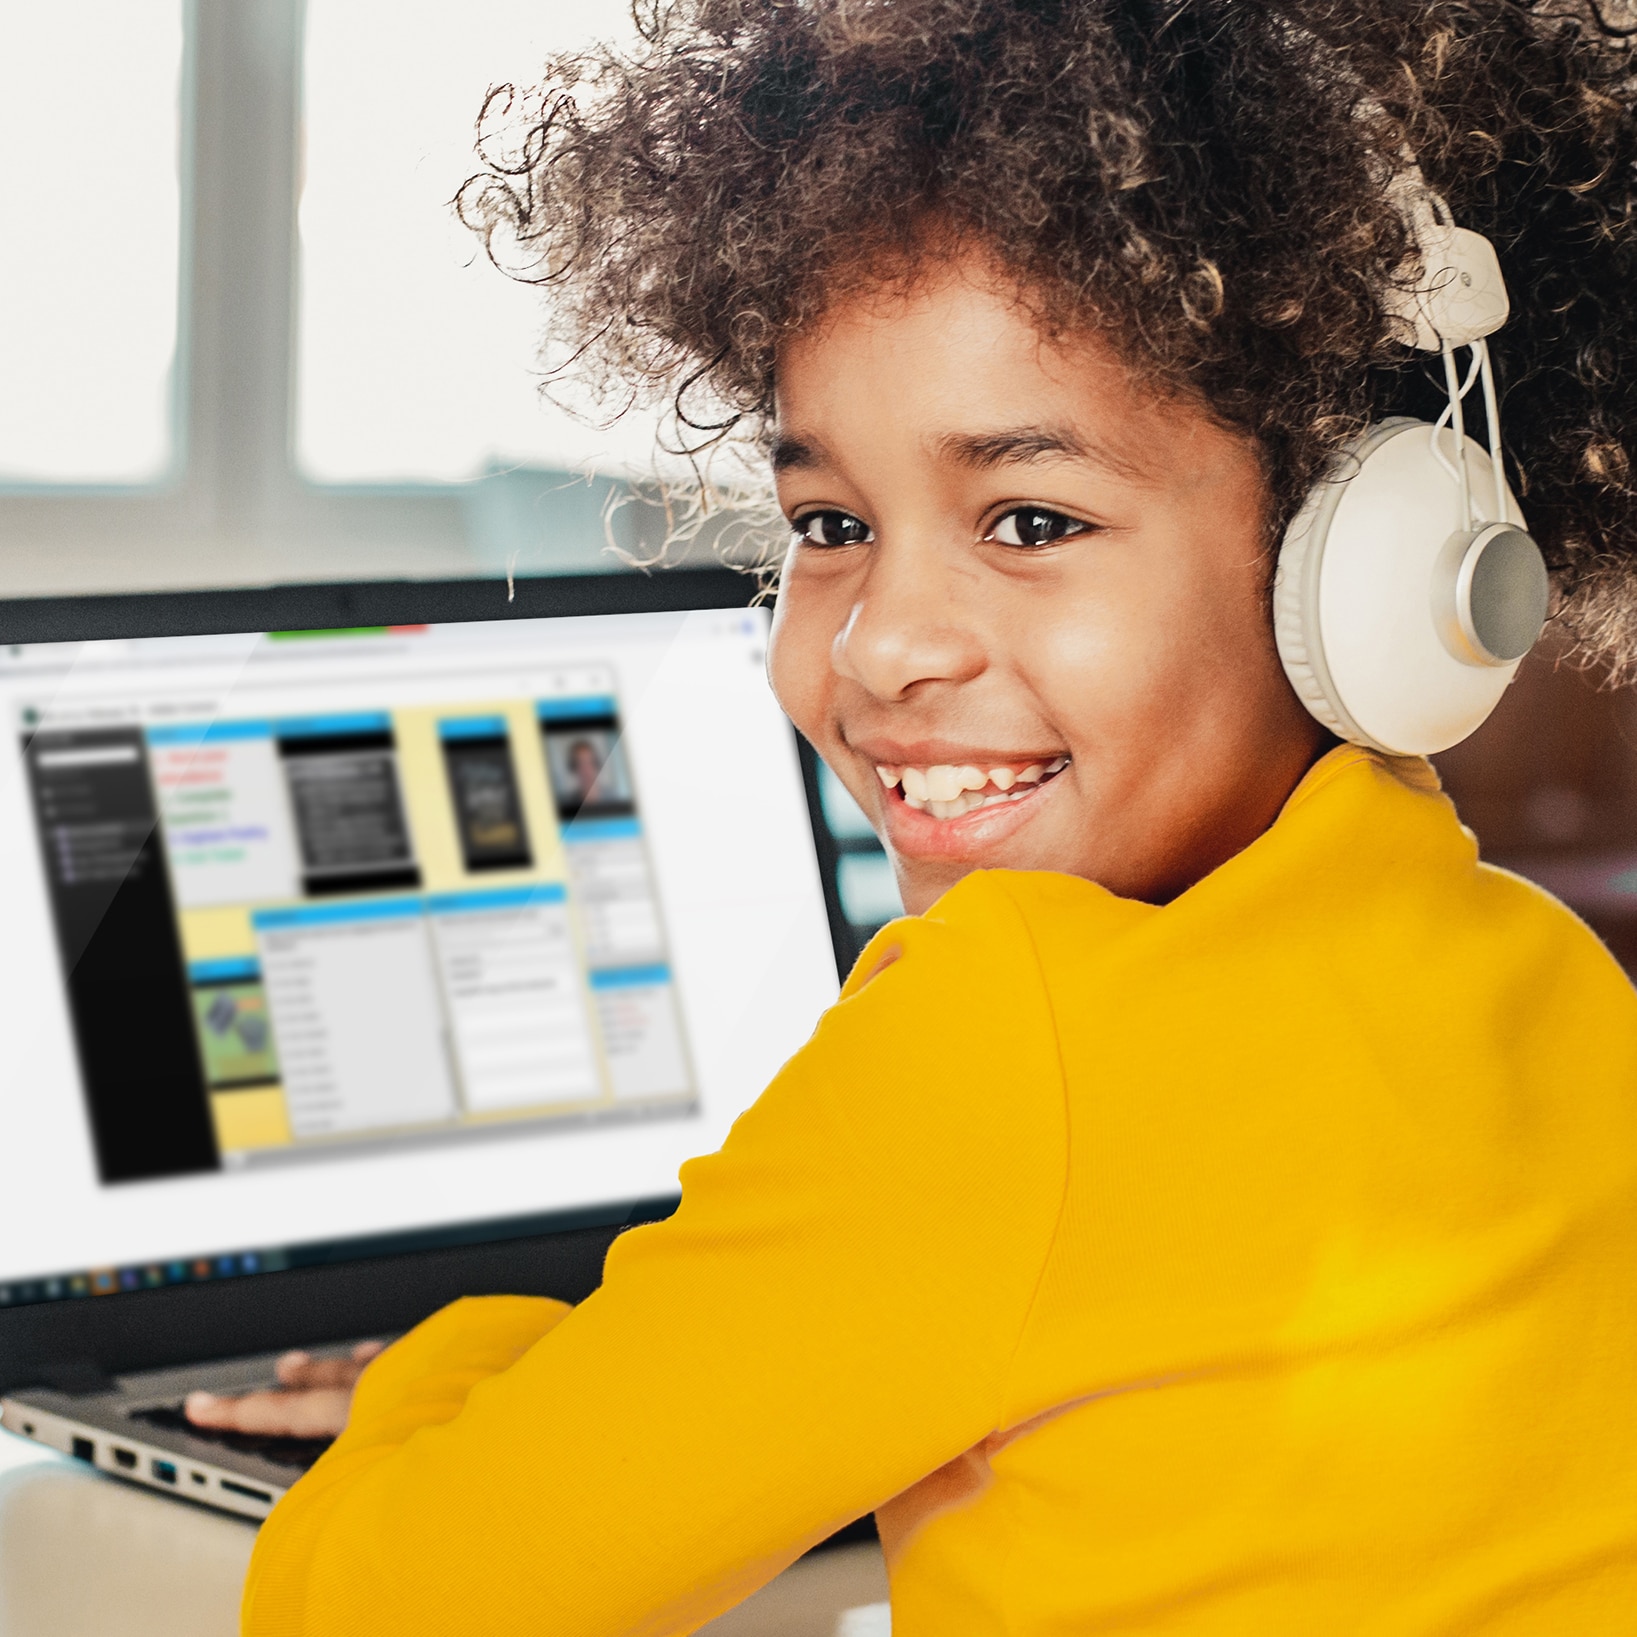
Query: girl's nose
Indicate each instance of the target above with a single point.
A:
(908, 626)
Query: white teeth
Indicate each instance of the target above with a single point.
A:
(969, 801)
(948, 791)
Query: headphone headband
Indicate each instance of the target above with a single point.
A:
(1458, 296)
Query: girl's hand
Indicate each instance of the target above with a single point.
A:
(312, 1399)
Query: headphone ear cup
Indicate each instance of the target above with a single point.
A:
(1297, 628)
(1290, 631)
(1355, 592)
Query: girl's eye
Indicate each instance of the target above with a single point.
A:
(1035, 526)
(832, 529)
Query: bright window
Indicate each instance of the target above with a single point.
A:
(90, 195)
(416, 359)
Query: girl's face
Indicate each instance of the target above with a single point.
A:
(1024, 612)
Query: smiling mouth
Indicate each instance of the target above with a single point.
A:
(947, 791)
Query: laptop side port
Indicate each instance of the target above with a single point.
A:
(164, 1471)
(126, 1458)
(83, 1449)
(245, 1490)
(199, 1477)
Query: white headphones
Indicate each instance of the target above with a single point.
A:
(1408, 588)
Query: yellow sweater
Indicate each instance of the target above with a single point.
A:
(1263, 1263)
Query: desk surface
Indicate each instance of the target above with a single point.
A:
(82, 1555)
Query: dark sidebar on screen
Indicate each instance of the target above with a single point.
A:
(121, 952)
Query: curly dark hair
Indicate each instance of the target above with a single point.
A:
(1204, 182)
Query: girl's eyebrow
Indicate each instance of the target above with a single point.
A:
(793, 455)
(979, 449)
(1025, 443)
(982, 449)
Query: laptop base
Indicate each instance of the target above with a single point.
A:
(135, 1430)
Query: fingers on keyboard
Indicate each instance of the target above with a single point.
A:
(309, 1412)
(303, 1370)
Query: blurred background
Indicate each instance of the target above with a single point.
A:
(1549, 785)
(243, 339)
(244, 336)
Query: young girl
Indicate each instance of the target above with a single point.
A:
(1214, 1208)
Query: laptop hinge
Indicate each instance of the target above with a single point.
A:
(78, 1377)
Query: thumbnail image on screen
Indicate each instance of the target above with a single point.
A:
(477, 754)
(280, 934)
(587, 764)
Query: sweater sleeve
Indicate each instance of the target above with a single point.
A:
(829, 1316)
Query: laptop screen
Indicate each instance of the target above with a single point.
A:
(317, 940)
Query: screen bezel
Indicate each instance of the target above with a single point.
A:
(78, 1343)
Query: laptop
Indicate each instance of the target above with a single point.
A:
(368, 946)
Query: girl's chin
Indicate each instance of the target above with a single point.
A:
(972, 839)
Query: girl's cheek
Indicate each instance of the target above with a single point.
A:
(798, 656)
(1088, 670)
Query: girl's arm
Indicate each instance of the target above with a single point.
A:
(829, 1316)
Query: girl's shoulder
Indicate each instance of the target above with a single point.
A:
(1367, 897)
(995, 919)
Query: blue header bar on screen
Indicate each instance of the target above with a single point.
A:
(578, 709)
(316, 727)
(631, 977)
(456, 903)
(228, 969)
(472, 727)
(613, 829)
(207, 733)
(310, 915)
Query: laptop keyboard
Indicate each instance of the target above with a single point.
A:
(295, 1453)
